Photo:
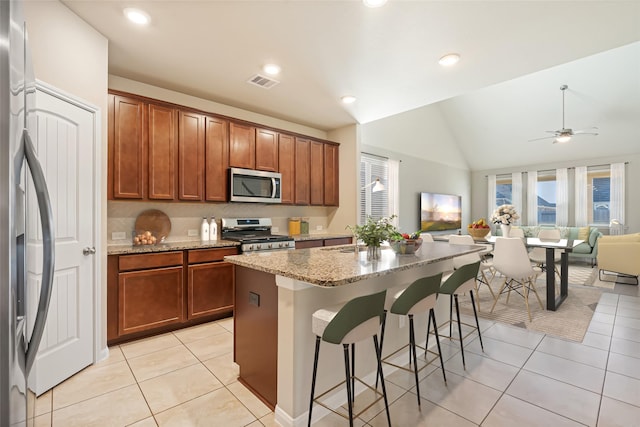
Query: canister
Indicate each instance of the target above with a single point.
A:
(304, 226)
(294, 226)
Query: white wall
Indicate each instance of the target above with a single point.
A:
(347, 213)
(632, 196)
(430, 159)
(70, 55)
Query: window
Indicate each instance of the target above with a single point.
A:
(546, 198)
(598, 195)
(504, 189)
(373, 204)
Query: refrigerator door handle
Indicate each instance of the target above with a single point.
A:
(48, 250)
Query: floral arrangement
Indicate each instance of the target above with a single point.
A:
(505, 214)
(374, 232)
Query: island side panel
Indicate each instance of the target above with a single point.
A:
(256, 332)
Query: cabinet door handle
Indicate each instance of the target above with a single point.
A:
(88, 251)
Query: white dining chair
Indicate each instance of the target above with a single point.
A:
(486, 273)
(539, 255)
(510, 258)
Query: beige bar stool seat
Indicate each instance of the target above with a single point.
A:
(346, 324)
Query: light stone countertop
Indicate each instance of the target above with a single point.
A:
(169, 246)
(340, 265)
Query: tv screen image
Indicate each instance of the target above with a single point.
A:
(440, 212)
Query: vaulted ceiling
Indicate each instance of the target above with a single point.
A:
(504, 91)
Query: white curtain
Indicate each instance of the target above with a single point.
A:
(562, 197)
(516, 192)
(581, 202)
(616, 210)
(532, 197)
(394, 190)
(491, 195)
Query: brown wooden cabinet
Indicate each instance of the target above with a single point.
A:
(319, 242)
(266, 150)
(153, 293)
(210, 282)
(302, 171)
(191, 156)
(162, 153)
(242, 146)
(316, 180)
(151, 297)
(286, 167)
(127, 148)
(331, 175)
(216, 159)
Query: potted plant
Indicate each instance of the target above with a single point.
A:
(373, 233)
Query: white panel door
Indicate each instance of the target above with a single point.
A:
(64, 136)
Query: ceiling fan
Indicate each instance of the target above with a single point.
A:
(564, 135)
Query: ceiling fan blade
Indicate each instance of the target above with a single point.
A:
(555, 132)
(585, 133)
(538, 139)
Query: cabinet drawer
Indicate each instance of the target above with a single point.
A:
(209, 255)
(139, 262)
(337, 241)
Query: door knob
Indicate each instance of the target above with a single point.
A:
(89, 251)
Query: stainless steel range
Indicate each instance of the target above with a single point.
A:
(254, 235)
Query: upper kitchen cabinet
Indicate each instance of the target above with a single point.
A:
(331, 175)
(191, 157)
(316, 186)
(216, 159)
(242, 146)
(302, 171)
(127, 148)
(287, 167)
(266, 150)
(162, 152)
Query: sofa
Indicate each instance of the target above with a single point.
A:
(620, 254)
(587, 250)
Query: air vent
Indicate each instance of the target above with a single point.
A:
(262, 81)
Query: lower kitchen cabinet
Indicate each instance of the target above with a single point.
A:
(153, 293)
(149, 299)
(317, 243)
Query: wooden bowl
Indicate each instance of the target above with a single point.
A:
(478, 233)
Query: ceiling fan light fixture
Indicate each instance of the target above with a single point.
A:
(137, 16)
(449, 59)
(563, 138)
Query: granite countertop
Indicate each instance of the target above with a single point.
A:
(340, 265)
(169, 246)
(300, 237)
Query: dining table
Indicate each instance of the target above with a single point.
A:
(550, 246)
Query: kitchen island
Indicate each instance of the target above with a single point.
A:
(277, 293)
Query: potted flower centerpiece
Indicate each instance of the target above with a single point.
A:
(505, 215)
(373, 233)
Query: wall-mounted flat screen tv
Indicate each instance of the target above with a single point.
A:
(440, 212)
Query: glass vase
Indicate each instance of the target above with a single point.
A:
(373, 253)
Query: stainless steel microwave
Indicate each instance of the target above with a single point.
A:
(246, 185)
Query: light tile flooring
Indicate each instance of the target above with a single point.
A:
(187, 378)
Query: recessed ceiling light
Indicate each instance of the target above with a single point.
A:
(271, 69)
(137, 16)
(348, 99)
(449, 59)
(374, 3)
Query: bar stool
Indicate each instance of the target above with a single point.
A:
(460, 281)
(347, 324)
(419, 297)
(486, 272)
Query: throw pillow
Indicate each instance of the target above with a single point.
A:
(583, 233)
(593, 236)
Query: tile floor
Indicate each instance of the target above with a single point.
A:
(187, 378)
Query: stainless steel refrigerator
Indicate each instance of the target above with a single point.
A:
(20, 174)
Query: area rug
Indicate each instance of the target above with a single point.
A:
(570, 321)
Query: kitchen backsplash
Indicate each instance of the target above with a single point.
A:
(121, 217)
